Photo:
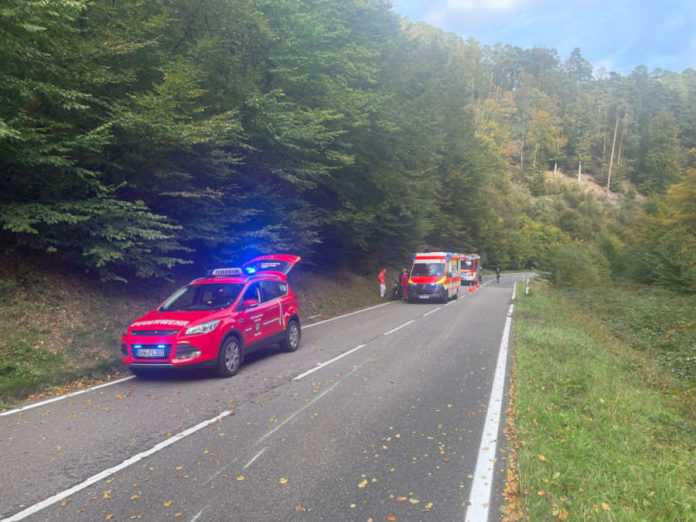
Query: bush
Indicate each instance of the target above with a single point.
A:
(579, 264)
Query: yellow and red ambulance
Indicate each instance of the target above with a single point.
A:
(434, 276)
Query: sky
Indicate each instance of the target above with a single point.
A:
(616, 35)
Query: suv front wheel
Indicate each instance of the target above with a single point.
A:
(229, 357)
(291, 341)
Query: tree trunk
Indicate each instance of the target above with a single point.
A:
(613, 145)
(522, 153)
(618, 156)
(579, 170)
(555, 167)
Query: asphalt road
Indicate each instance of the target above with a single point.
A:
(379, 416)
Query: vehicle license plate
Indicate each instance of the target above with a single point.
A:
(151, 352)
(423, 297)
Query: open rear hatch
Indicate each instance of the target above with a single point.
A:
(275, 263)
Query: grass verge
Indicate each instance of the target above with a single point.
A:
(598, 433)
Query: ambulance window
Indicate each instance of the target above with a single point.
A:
(428, 269)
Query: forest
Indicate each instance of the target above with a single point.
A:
(141, 136)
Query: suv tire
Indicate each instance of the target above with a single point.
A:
(291, 341)
(230, 357)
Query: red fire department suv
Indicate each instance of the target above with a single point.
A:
(215, 321)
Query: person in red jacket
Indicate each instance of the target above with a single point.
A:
(382, 278)
(404, 284)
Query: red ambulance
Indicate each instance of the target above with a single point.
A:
(434, 276)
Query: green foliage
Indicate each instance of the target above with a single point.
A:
(136, 136)
(579, 264)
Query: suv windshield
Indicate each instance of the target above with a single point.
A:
(468, 264)
(211, 296)
(428, 269)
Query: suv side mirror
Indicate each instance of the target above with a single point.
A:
(250, 303)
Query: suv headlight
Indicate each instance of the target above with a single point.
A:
(203, 328)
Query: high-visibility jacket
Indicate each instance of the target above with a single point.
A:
(382, 277)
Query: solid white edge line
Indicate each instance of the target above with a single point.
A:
(347, 315)
(108, 472)
(321, 365)
(399, 327)
(73, 394)
(480, 496)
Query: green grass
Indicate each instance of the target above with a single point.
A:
(599, 433)
(653, 320)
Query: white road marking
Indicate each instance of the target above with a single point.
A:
(199, 514)
(108, 472)
(55, 399)
(480, 496)
(255, 457)
(431, 312)
(291, 417)
(321, 365)
(218, 472)
(347, 315)
(398, 327)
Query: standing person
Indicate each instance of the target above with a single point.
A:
(497, 275)
(382, 278)
(404, 284)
